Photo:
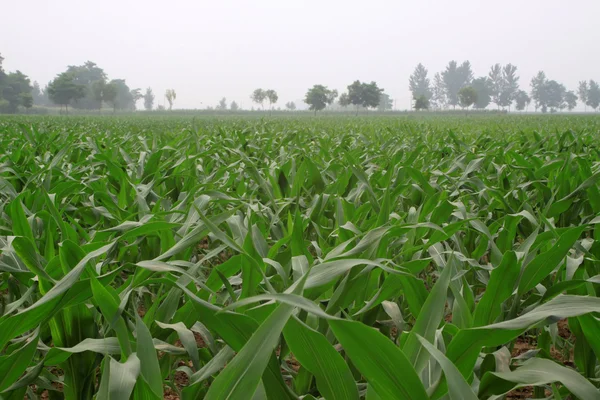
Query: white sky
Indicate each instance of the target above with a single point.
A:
(206, 50)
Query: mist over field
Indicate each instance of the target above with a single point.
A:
(208, 50)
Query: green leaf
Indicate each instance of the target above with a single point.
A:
(380, 362)
(315, 353)
(537, 372)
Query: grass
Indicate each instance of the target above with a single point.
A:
(295, 257)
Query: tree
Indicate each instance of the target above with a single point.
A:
(171, 96)
(482, 87)
(385, 103)
(522, 100)
(421, 103)
(290, 105)
(271, 95)
(27, 100)
(258, 96)
(555, 93)
(98, 92)
(538, 91)
(510, 85)
(148, 99)
(124, 98)
(495, 84)
(365, 94)
(318, 97)
(570, 99)
(222, 104)
(109, 94)
(439, 92)
(63, 90)
(467, 96)
(344, 100)
(234, 106)
(456, 77)
(418, 83)
(582, 92)
(87, 75)
(16, 90)
(136, 95)
(593, 96)
(40, 97)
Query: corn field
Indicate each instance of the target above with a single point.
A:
(290, 258)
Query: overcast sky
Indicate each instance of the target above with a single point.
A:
(206, 50)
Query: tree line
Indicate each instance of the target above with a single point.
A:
(87, 87)
(83, 87)
(457, 85)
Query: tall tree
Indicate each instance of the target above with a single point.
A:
(421, 103)
(222, 104)
(385, 103)
(438, 98)
(538, 91)
(456, 77)
(467, 96)
(418, 83)
(593, 96)
(148, 99)
(86, 75)
(63, 90)
(171, 96)
(318, 97)
(496, 82)
(40, 97)
(16, 91)
(555, 93)
(364, 94)
(570, 100)
(234, 106)
(258, 96)
(110, 93)
(510, 85)
(522, 99)
(272, 96)
(136, 95)
(582, 92)
(482, 87)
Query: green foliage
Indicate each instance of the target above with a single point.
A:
(282, 258)
(258, 96)
(421, 103)
(467, 96)
(366, 95)
(454, 78)
(64, 90)
(149, 99)
(318, 97)
(482, 86)
(418, 83)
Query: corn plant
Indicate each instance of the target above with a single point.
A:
(335, 258)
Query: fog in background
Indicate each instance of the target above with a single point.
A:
(206, 50)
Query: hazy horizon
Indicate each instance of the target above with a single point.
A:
(208, 50)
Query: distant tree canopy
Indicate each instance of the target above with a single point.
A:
(258, 96)
(367, 95)
(467, 96)
(171, 96)
(318, 97)
(148, 99)
(90, 76)
(234, 106)
(63, 90)
(87, 87)
(454, 78)
(222, 104)
(482, 86)
(418, 83)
